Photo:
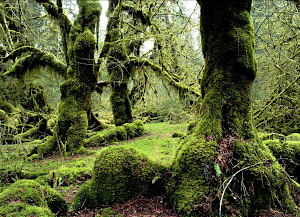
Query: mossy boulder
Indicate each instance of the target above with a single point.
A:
(120, 173)
(29, 198)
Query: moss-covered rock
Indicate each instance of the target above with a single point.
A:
(119, 173)
(27, 197)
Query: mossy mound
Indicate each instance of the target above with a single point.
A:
(120, 133)
(119, 173)
(23, 209)
(29, 198)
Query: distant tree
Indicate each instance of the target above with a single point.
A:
(277, 87)
(78, 69)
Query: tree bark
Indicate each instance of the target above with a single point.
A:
(224, 145)
(119, 72)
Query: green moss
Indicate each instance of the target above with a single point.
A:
(288, 154)
(192, 171)
(274, 192)
(72, 121)
(24, 210)
(178, 134)
(89, 12)
(33, 157)
(293, 137)
(87, 196)
(26, 196)
(119, 173)
(65, 176)
(121, 105)
(120, 133)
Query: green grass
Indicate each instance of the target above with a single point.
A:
(157, 143)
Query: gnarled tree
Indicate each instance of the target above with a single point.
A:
(224, 145)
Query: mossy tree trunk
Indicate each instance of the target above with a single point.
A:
(75, 107)
(119, 67)
(230, 68)
(118, 70)
(223, 143)
(81, 77)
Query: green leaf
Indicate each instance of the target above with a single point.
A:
(217, 169)
(155, 179)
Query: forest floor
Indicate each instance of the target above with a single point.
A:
(69, 173)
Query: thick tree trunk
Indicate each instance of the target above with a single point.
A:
(230, 68)
(118, 70)
(224, 143)
(75, 107)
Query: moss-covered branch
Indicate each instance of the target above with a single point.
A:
(120, 133)
(34, 59)
(271, 101)
(166, 75)
(65, 24)
(138, 13)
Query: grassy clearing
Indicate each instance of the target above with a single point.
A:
(157, 143)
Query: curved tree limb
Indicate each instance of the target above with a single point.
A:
(34, 59)
(166, 75)
(65, 24)
(271, 101)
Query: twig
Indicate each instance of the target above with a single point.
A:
(230, 180)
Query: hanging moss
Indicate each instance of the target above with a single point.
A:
(33, 58)
(34, 98)
(89, 12)
(120, 173)
(27, 197)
